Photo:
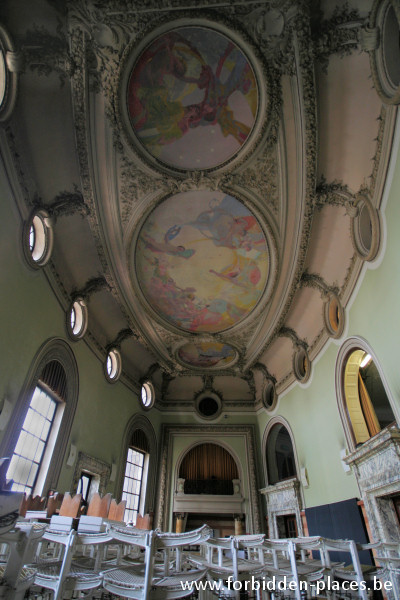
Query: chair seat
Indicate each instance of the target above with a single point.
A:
(25, 578)
(48, 573)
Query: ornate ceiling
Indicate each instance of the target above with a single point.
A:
(213, 174)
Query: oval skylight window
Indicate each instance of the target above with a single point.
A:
(113, 365)
(77, 319)
(38, 239)
(147, 395)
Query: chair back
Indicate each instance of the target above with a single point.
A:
(31, 503)
(54, 504)
(116, 511)
(98, 506)
(143, 522)
(70, 505)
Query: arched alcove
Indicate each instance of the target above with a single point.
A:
(364, 398)
(208, 468)
(369, 417)
(283, 493)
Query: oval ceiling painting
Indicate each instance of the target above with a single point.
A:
(206, 355)
(202, 261)
(192, 98)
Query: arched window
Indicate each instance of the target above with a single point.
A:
(138, 468)
(37, 436)
(364, 402)
(38, 431)
(135, 479)
(281, 463)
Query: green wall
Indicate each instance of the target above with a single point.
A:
(30, 314)
(311, 410)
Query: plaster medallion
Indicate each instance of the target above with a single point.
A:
(206, 355)
(202, 261)
(192, 98)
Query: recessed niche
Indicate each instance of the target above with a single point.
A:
(365, 229)
(301, 365)
(385, 59)
(269, 395)
(334, 316)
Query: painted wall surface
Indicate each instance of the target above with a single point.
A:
(312, 410)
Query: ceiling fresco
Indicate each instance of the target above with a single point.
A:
(192, 98)
(217, 177)
(207, 355)
(202, 261)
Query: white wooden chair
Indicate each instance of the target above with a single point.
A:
(169, 578)
(15, 576)
(67, 571)
(355, 571)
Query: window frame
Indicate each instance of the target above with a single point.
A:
(141, 494)
(52, 349)
(49, 442)
(140, 421)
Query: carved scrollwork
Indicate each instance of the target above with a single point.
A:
(93, 285)
(292, 335)
(337, 35)
(315, 281)
(64, 204)
(45, 52)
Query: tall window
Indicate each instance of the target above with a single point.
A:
(36, 440)
(134, 486)
(133, 483)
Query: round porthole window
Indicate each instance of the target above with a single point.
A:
(365, 230)
(301, 365)
(385, 59)
(208, 405)
(38, 239)
(77, 319)
(269, 396)
(147, 394)
(334, 316)
(113, 365)
(10, 65)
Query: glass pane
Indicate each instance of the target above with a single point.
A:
(31, 443)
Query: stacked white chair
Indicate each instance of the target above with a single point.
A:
(147, 579)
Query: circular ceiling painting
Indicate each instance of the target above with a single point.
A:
(206, 355)
(202, 260)
(192, 98)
